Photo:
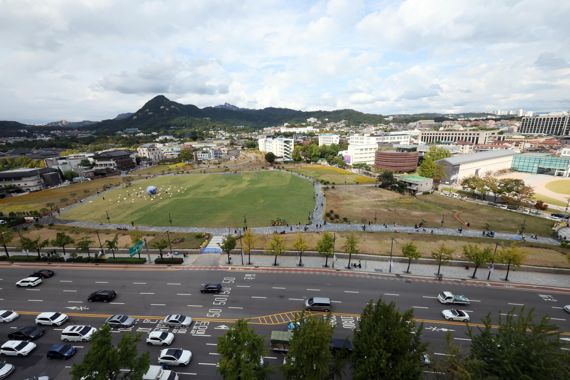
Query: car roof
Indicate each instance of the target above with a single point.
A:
(13, 343)
(29, 328)
(321, 300)
(74, 328)
(30, 278)
(157, 333)
(447, 293)
(47, 314)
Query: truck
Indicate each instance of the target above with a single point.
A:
(156, 372)
(450, 298)
(280, 340)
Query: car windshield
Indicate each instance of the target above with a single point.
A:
(5, 314)
(55, 316)
(85, 330)
(311, 301)
(174, 353)
(460, 313)
(122, 318)
(163, 336)
(21, 345)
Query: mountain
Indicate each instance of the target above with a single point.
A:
(71, 124)
(228, 106)
(13, 128)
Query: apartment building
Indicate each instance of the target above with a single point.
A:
(328, 139)
(151, 152)
(281, 147)
(554, 124)
(471, 136)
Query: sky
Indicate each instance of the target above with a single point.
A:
(93, 59)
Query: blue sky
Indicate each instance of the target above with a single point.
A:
(86, 59)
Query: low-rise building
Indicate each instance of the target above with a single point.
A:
(73, 162)
(541, 163)
(30, 179)
(475, 164)
(151, 152)
(328, 139)
(416, 184)
(119, 159)
(396, 161)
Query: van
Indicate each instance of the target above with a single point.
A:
(318, 304)
(156, 372)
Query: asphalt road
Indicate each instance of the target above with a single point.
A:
(269, 299)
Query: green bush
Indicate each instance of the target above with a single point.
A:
(169, 260)
(31, 258)
(80, 259)
(125, 260)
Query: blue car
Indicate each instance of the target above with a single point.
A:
(61, 351)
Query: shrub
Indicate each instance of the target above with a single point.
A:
(125, 260)
(31, 258)
(169, 260)
(80, 259)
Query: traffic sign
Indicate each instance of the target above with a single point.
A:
(136, 248)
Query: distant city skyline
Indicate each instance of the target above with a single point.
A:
(91, 60)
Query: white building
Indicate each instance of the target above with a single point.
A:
(328, 139)
(151, 152)
(476, 164)
(69, 163)
(281, 147)
(554, 124)
(565, 152)
(170, 150)
(308, 129)
(472, 136)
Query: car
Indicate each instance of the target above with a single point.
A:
(318, 304)
(61, 351)
(455, 315)
(447, 297)
(43, 273)
(51, 319)
(27, 333)
(17, 348)
(102, 296)
(211, 288)
(174, 356)
(78, 333)
(120, 321)
(567, 308)
(8, 315)
(160, 338)
(177, 320)
(6, 369)
(29, 282)
(425, 360)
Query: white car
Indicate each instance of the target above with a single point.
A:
(17, 348)
(51, 319)
(567, 308)
(160, 338)
(175, 356)
(29, 282)
(177, 320)
(78, 333)
(6, 369)
(8, 316)
(455, 315)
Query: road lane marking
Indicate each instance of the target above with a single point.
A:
(173, 283)
(313, 290)
(65, 280)
(148, 294)
(420, 307)
(69, 291)
(465, 339)
(33, 290)
(243, 286)
(35, 300)
(392, 294)
(116, 303)
(278, 287)
(211, 344)
(351, 291)
(79, 346)
(475, 300)
(332, 301)
(214, 353)
(139, 283)
(235, 307)
(430, 297)
(101, 282)
(270, 357)
(194, 305)
(74, 301)
(557, 307)
(558, 319)
(515, 304)
(505, 314)
(296, 299)
(469, 311)
(183, 294)
(213, 364)
(441, 354)
(157, 304)
(259, 297)
(187, 373)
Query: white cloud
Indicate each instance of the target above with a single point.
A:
(92, 59)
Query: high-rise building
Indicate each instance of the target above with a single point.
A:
(553, 124)
(281, 147)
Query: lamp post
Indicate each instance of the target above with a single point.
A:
(100, 244)
(492, 266)
(391, 251)
(169, 244)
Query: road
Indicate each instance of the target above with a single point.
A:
(269, 300)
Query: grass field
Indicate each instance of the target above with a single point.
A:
(334, 175)
(56, 197)
(561, 186)
(551, 201)
(205, 200)
(362, 204)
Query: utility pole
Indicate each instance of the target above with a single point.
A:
(492, 266)
(169, 244)
(391, 251)
(100, 244)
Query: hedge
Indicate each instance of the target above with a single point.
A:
(31, 258)
(82, 259)
(169, 260)
(125, 260)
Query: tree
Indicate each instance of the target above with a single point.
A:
(428, 167)
(112, 244)
(34, 244)
(386, 179)
(248, 243)
(442, 255)
(159, 244)
(350, 246)
(387, 344)
(477, 255)
(410, 251)
(493, 185)
(84, 245)
(104, 361)
(325, 246)
(186, 155)
(455, 365)
(276, 246)
(6, 236)
(511, 255)
(69, 175)
(520, 348)
(300, 246)
(228, 244)
(270, 157)
(241, 350)
(309, 355)
(61, 240)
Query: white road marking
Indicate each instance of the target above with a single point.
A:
(270, 357)
(35, 300)
(392, 294)
(187, 373)
(173, 283)
(278, 287)
(211, 344)
(420, 307)
(260, 297)
(157, 304)
(69, 291)
(313, 290)
(557, 307)
(296, 299)
(205, 336)
(194, 305)
(150, 294)
(33, 290)
(74, 301)
(13, 327)
(183, 294)
(243, 286)
(475, 300)
(58, 329)
(65, 280)
(516, 304)
(79, 346)
(336, 301)
(430, 297)
(116, 303)
(441, 354)
(505, 314)
(558, 319)
(1, 299)
(235, 307)
(139, 283)
(214, 353)
(465, 339)
(67, 366)
(101, 282)
(213, 364)
(351, 291)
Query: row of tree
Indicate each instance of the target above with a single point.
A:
(313, 152)
(514, 192)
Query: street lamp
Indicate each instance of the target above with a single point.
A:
(492, 266)
(391, 251)
(169, 244)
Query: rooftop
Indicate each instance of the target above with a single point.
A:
(480, 156)
(413, 178)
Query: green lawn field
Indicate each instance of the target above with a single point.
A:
(561, 186)
(332, 174)
(204, 200)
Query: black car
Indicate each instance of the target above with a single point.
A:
(61, 351)
(210, 288)
(102, 296)
(27, 333)
(43, 273)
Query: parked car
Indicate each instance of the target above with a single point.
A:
(177, 320)
(43, 273)
(120, 321)
(156, 372)
(29, 282)
(61, 351)
(567, 308)
(211, 288)
(8, 316)
(455, 315)
(51, 319)
(160, 338)
(102, 296)
(17, 348)
(6, 369)
(27, 333)
(78, 333)
(175, 357)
